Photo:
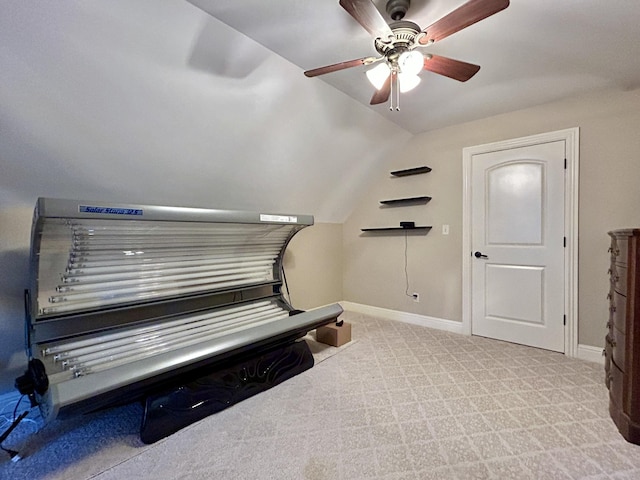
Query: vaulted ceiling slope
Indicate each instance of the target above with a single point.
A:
(158, 102)
(534, 52)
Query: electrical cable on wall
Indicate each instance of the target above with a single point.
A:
(406, 261)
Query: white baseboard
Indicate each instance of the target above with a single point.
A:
(413, 318)
(590, 354)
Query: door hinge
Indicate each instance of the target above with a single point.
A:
(565, 242)
(564, 320)
(565, 163)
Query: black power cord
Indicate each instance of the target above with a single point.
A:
(33, 381)
(16, 421)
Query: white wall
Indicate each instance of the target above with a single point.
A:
(15, 229)
(609, 122)
(156, 102)
(313, 266)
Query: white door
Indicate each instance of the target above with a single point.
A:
(517, 239)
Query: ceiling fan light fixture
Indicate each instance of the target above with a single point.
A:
(411, 62)
(378, 75)
(400, 64)
(408, 81)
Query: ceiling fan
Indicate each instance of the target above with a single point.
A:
(400, 61)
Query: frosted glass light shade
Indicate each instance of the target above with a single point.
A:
(378, 75)
(408, 81)
(411, 63)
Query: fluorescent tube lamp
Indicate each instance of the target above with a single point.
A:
(125, 336)
(88, 267)
(78, 276)
(378, 75)
(96, 263)
(70, 303)
(80, 357)
(118, 260)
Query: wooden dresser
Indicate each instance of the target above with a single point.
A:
(622, 343)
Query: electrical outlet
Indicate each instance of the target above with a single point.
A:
(416, 297)
(445, 229)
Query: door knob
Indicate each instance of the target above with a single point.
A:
(480, 255)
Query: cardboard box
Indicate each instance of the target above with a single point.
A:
(333, 335)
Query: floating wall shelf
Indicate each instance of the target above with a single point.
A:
(411, 171)
(388, 229)
(407, 201)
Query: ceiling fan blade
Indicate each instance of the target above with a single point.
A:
(367, 15)
(468, 14)
(339, 66)
(461, 71)
(382, 95)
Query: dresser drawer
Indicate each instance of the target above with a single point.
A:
(614, 250)
(618, 278)
(618, 311)
(622, 250)
(616, 381)
(615, 339)
(607, 364)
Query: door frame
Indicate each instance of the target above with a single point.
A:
(572, 143)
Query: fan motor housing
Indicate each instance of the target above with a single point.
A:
(397, 9)
(404, 32)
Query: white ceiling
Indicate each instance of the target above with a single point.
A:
(159, 102)
(535, 51)
(156, 102)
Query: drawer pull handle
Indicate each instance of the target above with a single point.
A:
(609, 272)
(609, 296)
(604, 352)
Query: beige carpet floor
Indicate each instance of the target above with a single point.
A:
(401, 402)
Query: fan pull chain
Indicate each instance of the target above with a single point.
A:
(391, 92)
(394, 90)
